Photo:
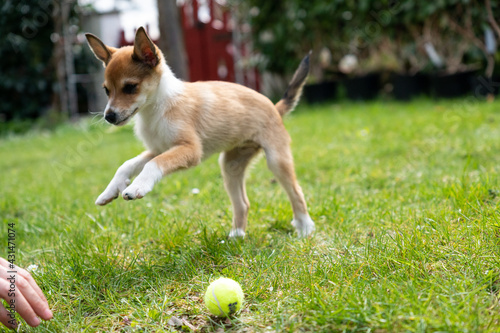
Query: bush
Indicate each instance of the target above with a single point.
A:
(26, 70)
(378, 32)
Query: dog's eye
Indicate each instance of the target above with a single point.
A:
(107, 91)
(129, 88)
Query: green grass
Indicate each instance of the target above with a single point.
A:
(405, 198)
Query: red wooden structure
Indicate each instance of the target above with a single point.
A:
(208, 42)
(209, 38)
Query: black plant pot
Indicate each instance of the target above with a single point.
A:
(451, 85)
(320, 92)
(405, 87)
(363, 87)
(482, 86)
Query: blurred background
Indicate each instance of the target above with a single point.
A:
(362, 49)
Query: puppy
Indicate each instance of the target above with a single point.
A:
(183, 123)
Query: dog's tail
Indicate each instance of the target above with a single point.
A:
(294, 90)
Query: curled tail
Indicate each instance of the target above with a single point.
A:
(294, 90)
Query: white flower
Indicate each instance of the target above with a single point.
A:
(32, 268)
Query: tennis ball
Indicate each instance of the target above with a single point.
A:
(224, 297)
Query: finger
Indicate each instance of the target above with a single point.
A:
(20, 304)
(4, 264)
(5, 317)
(27, 275)
(33, 294)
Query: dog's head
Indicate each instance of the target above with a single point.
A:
(131, 75)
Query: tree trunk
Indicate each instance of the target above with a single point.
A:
(171, 40)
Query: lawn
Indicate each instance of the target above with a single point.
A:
(406, 202)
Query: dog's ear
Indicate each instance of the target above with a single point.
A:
(144, 49)
(101, 51)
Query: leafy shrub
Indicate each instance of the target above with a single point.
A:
(26, 70)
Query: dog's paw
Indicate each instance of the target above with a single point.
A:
(235, 233)
(136, 191)
(105, 198)
(144, 183)
(112, 191)
(304, 225)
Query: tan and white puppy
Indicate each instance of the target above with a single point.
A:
(182, 123)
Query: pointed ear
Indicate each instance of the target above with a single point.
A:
(101, 51)
(144, 49)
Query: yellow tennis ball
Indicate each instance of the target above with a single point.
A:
(224, 297)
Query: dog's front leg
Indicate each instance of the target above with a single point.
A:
(122, 177)
(181, 156)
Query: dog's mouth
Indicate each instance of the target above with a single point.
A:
(125, 120)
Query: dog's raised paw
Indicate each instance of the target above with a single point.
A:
(135, 192)
(112, 191)
(104, 200)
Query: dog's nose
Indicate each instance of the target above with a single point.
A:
(110, 117)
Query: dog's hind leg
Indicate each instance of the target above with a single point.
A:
(280, 162)
(233, 164)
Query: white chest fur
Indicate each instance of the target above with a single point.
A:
(155, 131)
(153, 126)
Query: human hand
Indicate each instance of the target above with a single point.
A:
(22, 295)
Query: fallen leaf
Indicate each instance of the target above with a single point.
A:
(174, 321)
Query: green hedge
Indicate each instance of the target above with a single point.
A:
(382, 33)
(26, 70)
